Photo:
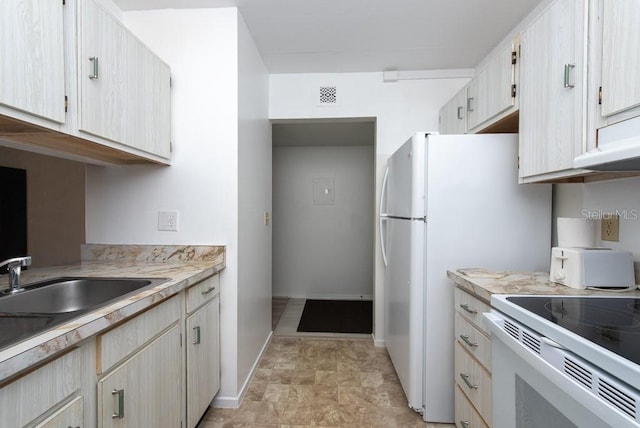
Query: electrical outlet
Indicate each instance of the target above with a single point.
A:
(168, 220)
(610, 228)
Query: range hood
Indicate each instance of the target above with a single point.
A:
(618, 149)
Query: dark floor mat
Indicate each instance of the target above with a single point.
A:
(337, 316)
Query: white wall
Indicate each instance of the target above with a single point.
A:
(254, 200)
(200, 45)
(597, 198)
(323, 251)
(401, 108)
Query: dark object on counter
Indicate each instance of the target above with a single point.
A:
(337, 316)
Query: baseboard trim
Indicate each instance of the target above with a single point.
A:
(378, 343)
(231, 402)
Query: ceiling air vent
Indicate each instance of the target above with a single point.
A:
(328, 96)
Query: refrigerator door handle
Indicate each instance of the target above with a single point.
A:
(383, 217)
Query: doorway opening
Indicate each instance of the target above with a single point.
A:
(323, 220)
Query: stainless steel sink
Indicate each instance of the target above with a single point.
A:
(47, 304)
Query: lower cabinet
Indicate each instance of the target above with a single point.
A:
(473, 397)
(70, 415)
(202, 333)
(160, 368)
(43, 392)
(145, 390)
(203, 359)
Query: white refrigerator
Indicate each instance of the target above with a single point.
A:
(448, 202)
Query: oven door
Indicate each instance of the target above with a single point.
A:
(529, 392)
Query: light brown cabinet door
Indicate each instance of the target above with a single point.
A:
(552, 89)
(124, 87)
(32, 57)
(145, 391)
(620, 56)
(203, 359)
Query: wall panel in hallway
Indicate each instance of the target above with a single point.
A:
(323, 249)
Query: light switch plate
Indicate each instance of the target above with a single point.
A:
(168, 221)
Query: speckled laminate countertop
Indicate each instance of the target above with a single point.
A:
(185, 265)
(521, 283)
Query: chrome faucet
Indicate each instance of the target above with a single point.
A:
(15, 266)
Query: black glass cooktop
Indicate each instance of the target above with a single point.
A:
(613, 323)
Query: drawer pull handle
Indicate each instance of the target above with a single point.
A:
(120, 413)
(465, 378)
(460, 110)
(469, 104)
(466, 340)
(196, 330)
(94, 72)
(468, 309)
(567, 76)
(464, 423)
(207, 291)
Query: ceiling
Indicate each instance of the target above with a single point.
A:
(335, 36)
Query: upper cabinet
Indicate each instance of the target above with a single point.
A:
(553, 97)
(619, 85)
(490, 97)
(453, 115)
(620, 56)
(491, 94)
(76, 83)
(124, 88)
(32, 59)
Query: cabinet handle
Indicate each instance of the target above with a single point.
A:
(460, 109)
(567, 75)
(464, 423)
(196, 330)
(465, 378)
(466, 340)
(120, 413)
(468, 309)
(94, 61)
(469, 106)
(207, 291)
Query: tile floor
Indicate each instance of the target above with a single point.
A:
(319, 379)
(306, 381)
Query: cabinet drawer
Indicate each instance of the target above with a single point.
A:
(202, 292)
(466, 415)
(27, 398)
(476, 343)
(471, 308)
(125, 339)
(70, 415)
(477, 386)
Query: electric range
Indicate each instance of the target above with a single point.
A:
(580, 354)
(578, 323)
